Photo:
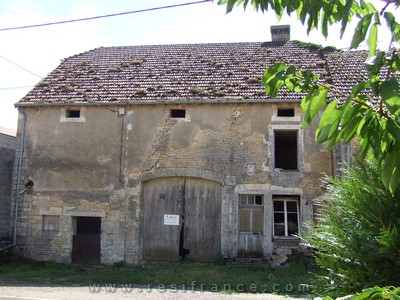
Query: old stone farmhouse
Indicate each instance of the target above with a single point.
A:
(166, 151)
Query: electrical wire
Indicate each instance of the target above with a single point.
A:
(16, 87)
(15, 64)
(105, 16)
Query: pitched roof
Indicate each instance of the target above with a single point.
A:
(188, 72)
(8, 131)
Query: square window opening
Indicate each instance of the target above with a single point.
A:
(73, 113)
(50, 223)
(178, 113)
(286, 149)
(285, 112)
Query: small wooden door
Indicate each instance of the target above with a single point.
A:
(197, 202)
(86, 241)
(251, 224)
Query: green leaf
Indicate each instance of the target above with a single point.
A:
(351, 129)
(312, 103)
(324, 21)
(358, 88)
(390, 93)
(370, 293)
(291, 70)
(393, 128)
(329, 123)
(388, 168)
(368, 7)
(393, 25)
(273, 78)
(364, 147)
(373, 39)
(292, 80)
(361, 31)
(390, 171)
(350, 121)
(229, 4)
(302, 13)
(345, 16)
(293, 83)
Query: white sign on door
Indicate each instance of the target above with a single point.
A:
(171, 220)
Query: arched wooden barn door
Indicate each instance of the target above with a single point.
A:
(181, 217)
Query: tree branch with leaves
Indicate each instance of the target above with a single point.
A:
(372, 109)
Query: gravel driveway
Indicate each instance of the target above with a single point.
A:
(103, 292)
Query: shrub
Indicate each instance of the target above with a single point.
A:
(357, 237)
(378, 293)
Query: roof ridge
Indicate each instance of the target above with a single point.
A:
(183, 44)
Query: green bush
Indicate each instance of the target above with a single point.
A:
(357, 236)
(378, 293)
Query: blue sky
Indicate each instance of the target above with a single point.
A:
(40, 50)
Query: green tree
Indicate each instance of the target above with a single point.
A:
(372, 110)
(358, 236)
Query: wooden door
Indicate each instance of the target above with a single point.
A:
(251, 224)
(202, 219)
(197, 202)
(86, 241)
(161, 196)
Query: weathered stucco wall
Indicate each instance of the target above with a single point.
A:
(7, 152)
(96, 167)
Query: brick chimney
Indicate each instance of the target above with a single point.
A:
(280, 33)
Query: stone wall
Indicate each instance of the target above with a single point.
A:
(97, 167)
(7, 152)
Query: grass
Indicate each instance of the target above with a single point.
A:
(225, 277)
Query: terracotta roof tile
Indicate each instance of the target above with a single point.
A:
(191, 72)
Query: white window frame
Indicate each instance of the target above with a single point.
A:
(285, 200)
